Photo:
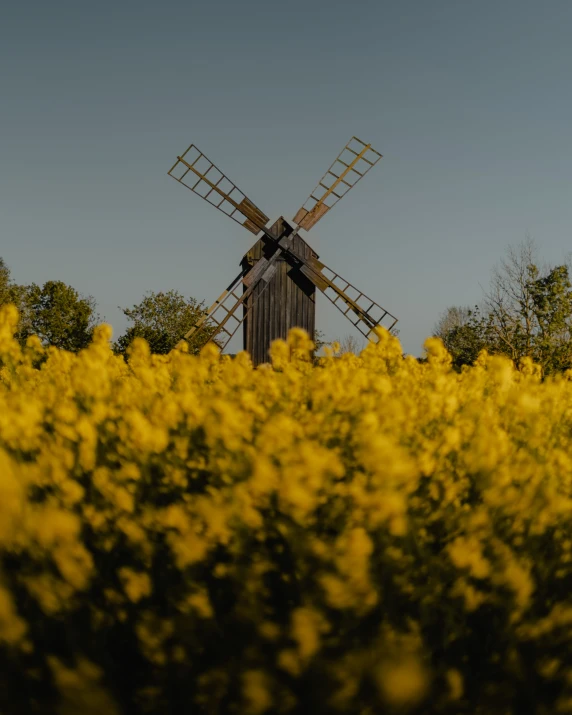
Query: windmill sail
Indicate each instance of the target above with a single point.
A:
(363, 312)
(203, 178)
(350, 166)
(220, 318)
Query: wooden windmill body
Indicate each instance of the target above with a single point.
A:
(288, 301)
(276, 287)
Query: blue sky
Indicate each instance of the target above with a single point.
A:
(469, 102)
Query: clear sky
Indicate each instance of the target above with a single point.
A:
(469, 102)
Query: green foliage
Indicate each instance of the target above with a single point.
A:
(163, 319)
(526, 313)
(59, 315)
(319, 340)
(552, 299)
(12, 293)
(63, 318)
(56, 312)
(463, 334)
(5, 282)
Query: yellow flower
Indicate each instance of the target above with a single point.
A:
(301, 503)
(12, 627)
(136, 585)
(403, 682)
(256, 691)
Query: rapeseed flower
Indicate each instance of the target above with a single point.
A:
(352, 534)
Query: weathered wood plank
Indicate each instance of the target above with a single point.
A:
(287, 302)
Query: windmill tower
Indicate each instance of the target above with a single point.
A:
(276, 287)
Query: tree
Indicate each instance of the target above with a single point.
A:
(5, 283)
(350, 344)
(454, 317)
(552, 308)
(12, 293)
(526, 312)
(508, 303)
(58, 315)
(463, 333)
(163, 319)
(319, 340)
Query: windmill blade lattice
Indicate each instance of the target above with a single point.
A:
(350, 166)
(221, 312)
(203, 178)
(348, 299)
(353, 303)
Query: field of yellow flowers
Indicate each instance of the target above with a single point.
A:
(368, 534)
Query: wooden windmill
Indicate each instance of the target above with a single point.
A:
(276, 287)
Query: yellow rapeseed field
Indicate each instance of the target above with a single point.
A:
(369, 534)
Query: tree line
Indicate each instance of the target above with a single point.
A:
(526, 312)
(61, 317)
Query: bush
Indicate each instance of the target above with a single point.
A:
(366, 535)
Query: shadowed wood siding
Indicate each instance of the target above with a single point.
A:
(289, 300)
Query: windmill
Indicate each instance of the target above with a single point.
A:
(276, 287)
